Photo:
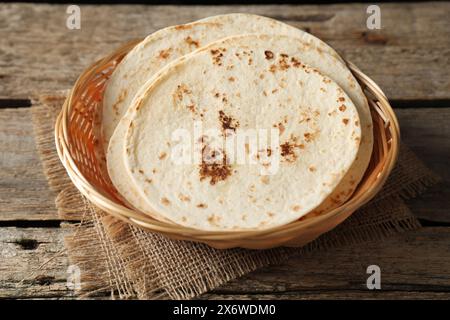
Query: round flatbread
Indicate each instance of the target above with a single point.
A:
(168, 44)
(237, 87)
(314, 56)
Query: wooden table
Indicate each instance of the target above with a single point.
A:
(409, 57)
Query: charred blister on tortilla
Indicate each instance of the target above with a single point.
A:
(217, 54)
(227, 122)
(192, 42)
(214, 163)
(164, 54)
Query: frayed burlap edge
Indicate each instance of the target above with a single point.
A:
(130, 263)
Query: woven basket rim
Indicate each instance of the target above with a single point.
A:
(62, 139)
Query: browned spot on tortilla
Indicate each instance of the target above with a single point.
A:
(216, 171)
(164, 54)
(312, 168)
(326, 80)
(308, 136)
(280, 127)
(283, 63)
(217, 56)
(154, 170)
(180, 91)
(287, 151)
(265, 179)
(332, 113)
(227, 121)
(296, 208)
(162, 155)
(341, 99)
(202, 206)
(231, 79)
(295, 62)
(271, 214)
(148, 180)
(273, 68)
(183, 27)
(345, 121)
(165, 201)
(183, 218)
(184, 198)
(262, 223)
(213, 219)
(268, 54)
(141, 171)
(261, 76)
(274, 90)
(192, 42)
(342, 108)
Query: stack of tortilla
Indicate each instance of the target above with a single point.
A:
(234, 122)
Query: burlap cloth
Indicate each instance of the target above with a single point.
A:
(130, 263)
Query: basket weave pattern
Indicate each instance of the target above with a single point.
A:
(77, 138)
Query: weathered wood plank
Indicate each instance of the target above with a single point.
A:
(409, 57)
(34, 264)
(23, 251)
(415, 261)
(427, 132)
(24, 194)
(413, 265)
(333, 295)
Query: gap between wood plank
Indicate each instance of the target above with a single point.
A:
(15, 103)
(56, 223)
(398, 104)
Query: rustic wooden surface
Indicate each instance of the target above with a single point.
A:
(409, 58)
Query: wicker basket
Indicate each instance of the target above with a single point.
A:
(76, 140)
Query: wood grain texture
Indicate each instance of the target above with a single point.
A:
(409, 57)
(413, 265)
(24, 194)
(409, 262)
(24, 251)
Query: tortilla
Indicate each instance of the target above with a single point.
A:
(313, 56)
(168, 44)
(234, 85)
